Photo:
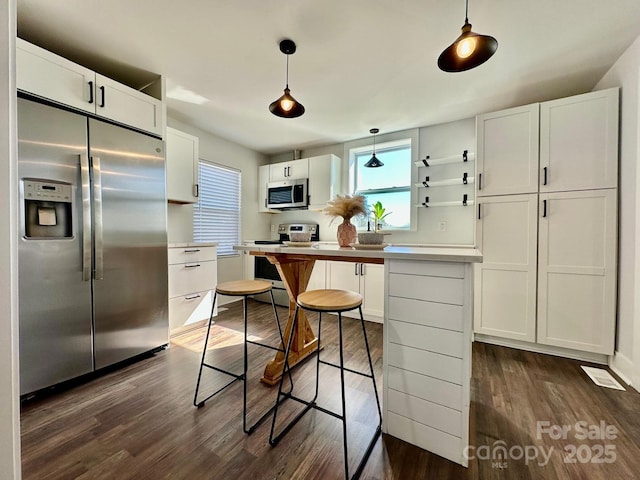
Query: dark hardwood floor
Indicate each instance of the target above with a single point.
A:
(139, 422)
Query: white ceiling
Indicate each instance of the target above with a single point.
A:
(359, 64)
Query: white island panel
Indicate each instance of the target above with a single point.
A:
(427, 339)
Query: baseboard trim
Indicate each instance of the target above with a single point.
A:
(546, 349)
(622, 366)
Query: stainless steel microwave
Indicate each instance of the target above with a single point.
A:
(288, 194)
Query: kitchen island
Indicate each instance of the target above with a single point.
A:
(427, 335)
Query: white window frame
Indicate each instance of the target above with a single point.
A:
(223, 249)
(411, 137)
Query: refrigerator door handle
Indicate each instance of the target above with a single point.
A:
(97, 206)
(86, 218)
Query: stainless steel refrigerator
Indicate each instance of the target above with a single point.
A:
(92, 246)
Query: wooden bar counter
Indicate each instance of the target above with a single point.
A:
(427, 335)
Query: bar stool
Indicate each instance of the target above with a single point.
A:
(325, 301)
(241, 288)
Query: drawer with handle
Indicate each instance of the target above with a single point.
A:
(187, 278)
(191, 254)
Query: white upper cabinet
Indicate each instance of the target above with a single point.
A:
(579, 142)
(49, 76)
(577, 270)
(182, 166)
(289, 170)
(46, 75)
(507, 151)
(127, 106)
(325, 173)
(263, 179)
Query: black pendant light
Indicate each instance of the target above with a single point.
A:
(468, 51)
(287, 106)
(373, 161)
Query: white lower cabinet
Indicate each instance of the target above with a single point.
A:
(506, 234)
(574, 303)
(577, 270)
(364, 278)
(318, 279)
(427, 356)
(193, 275)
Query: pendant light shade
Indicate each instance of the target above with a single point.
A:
(468, 51)
(286, 106)
(373, 161)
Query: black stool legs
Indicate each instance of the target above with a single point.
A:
(273, 440)
(243, 375)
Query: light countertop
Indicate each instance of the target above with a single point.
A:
(409, 252)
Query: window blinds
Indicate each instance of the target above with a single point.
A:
(216, 216)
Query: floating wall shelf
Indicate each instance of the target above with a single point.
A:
(455, 203)
(464, 180)
(459, 158)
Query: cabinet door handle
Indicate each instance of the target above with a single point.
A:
(356, 269)
(192, 250)
(479, 216)
(285, 171)
(479, 181)
(544, 208)
(192, 266)
(544, 170)
(102, 96)
(196, 190)
(192, 297)
(362, 269)
(90, 92)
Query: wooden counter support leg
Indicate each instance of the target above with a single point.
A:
(295, 274)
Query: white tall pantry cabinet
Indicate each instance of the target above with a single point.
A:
(549, 245)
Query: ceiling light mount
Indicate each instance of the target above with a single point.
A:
(468, 50)
(286, 106)
(373, 161)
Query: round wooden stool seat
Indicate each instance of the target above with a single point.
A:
(329, 300)
(243, 287)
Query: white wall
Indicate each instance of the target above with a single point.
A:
(436, 141)
(626, 74)
(254, 225)
(9, 381)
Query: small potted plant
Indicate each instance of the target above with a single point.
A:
(379, 214)
(376, 237)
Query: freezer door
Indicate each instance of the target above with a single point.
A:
(54, 300)
(130, 239)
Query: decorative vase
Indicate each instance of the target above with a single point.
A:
(347, 233)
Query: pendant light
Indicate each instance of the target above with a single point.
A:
(287, 106)
(469, 50)
(373, 161)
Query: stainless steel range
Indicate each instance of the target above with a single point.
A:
(264, 270)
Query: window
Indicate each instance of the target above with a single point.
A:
(389, 184)
(216, 216)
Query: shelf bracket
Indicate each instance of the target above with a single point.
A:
(426, 182)
(464, 155)
(464, 199)
(464, 178)
(424, 160)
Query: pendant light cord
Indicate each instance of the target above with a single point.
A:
(287, 79)
(374, 143)
(466, 13)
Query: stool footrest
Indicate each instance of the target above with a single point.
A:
(346, 369)
(202, 402)
(231, 374)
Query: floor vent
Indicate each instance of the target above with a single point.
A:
(602, 378)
